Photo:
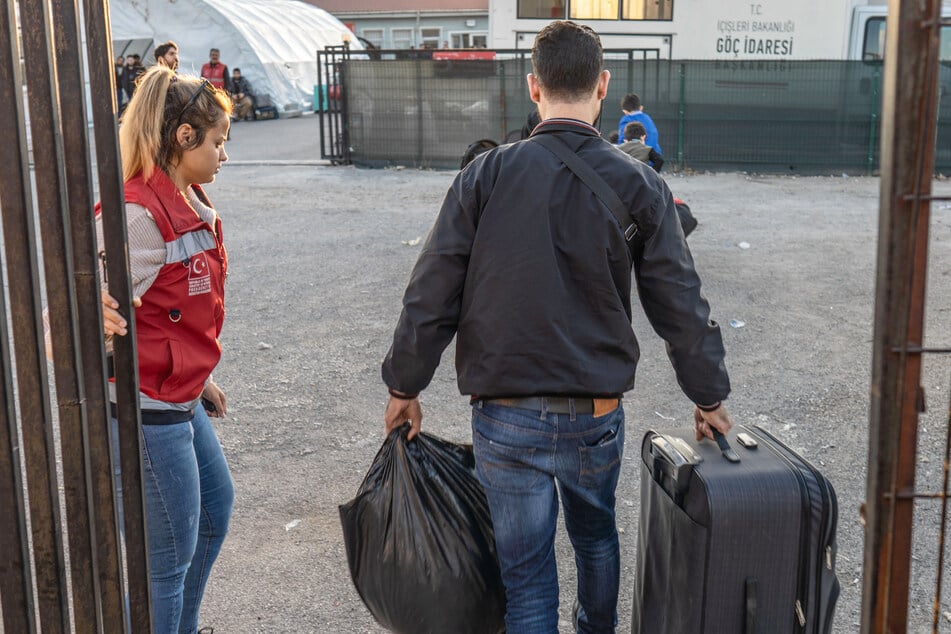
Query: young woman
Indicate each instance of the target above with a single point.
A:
(172, 139)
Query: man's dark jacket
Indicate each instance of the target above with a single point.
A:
(240, 85)
(531, 272)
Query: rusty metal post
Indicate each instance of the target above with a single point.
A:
(19, 234)
(98, 488)
(907, 166)
(53, 214)
(16, 586)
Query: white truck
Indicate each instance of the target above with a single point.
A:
(713, 30)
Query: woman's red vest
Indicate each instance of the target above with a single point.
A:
(178, 324)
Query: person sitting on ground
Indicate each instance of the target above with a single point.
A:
(242, 96)
(634, 111)
(166, 54)
(636, 146)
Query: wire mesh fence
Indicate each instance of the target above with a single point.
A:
(808, 117)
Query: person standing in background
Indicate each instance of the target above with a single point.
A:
(216, 72)
(166, 54)
(633, 110)
(120, 90)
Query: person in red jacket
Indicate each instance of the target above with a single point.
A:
(172, 140)
(216, 72)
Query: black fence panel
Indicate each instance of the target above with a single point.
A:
(801, 117)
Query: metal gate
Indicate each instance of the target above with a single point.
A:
(380, 107)
(329, 103)
(68, 574)
(910, 103)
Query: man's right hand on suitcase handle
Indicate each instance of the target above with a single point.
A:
(704, 422)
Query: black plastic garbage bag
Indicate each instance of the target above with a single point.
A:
(420, 543)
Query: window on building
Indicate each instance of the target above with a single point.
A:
(374, 36)
(647, 10)
(468, 39)
(429, 37)
(593, 9)
(621, 9)
(547, 9)
(402, 38)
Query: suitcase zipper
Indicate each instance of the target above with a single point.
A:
(804, 525)
(829, 516)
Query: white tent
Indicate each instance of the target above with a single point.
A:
(273, 42)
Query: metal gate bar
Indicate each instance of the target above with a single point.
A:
(16, 586)
(908, 142)
(102, 85)
(26, 308)
(60, 294)
(105, 517)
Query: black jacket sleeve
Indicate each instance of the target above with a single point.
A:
(669, 290)
(433, 298)
(656, 160)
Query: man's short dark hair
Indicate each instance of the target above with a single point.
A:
(235, 70)
(631, 102)
(567, 59)
(214, 50)
(164, 48)
(634, 130)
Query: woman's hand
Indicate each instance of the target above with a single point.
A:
(214, 394)
(113, 323)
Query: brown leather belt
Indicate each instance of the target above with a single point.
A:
(559, 404)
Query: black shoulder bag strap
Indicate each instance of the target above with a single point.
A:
(594, 182)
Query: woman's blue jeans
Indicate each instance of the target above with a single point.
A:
(189, 495)
(524, 459)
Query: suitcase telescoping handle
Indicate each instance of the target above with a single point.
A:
(672, 465)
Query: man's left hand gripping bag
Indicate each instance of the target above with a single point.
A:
(420, 543)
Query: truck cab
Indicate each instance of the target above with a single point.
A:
(867, 33)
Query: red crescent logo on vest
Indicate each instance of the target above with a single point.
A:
(199, 279)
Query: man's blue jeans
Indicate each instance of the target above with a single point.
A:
(520, 456)
(189, 495)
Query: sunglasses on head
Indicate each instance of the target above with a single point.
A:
(205, 85)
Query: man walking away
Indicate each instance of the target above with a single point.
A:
(535, 284)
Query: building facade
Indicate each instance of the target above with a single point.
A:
(414, 24)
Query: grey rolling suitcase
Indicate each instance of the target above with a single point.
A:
(725, 547)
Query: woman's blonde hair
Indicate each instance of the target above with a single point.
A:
(162, 102)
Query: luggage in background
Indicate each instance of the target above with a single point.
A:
(264, 108)
(687, 220)
(733, 548)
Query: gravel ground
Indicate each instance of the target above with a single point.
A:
(319, 260)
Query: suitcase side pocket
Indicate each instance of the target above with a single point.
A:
(670, 580)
